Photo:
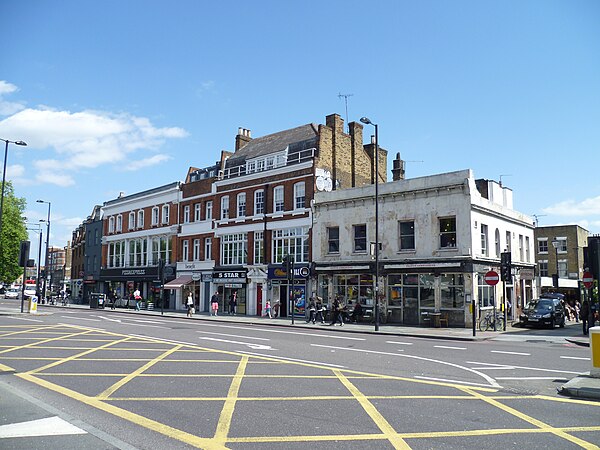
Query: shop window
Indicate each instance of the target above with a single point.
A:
(360, 238)
(447, 232)
(333, 239)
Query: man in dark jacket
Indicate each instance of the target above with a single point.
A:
(584, 313)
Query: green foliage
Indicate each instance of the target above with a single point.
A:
(13, 232)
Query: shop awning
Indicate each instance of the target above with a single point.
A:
(178, 282)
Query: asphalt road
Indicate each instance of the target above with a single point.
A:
(132, 381)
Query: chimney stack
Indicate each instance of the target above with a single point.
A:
(242, 138)
(398, 171)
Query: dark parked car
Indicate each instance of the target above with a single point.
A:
(544, 311)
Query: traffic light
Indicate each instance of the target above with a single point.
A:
(505, 267)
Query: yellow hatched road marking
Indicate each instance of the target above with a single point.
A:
(32, 345)
(73, 357)
(538, 423)
(232, 396)
(142, 421)
(377, 417)
(135, 373)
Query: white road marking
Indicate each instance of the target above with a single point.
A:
(247, 344)
(398, 343)
(511, 353)
(449, 347)
(109, 319)
(487, 378)
(142, 325)
(575, 357)
(51, 426)
(23, 318)
(445, 380)
(532, 378)
(293, 359)
(81, 318)
(168, 341)
(234, 335)
(497, 366)
(147, 321)
(284, 332)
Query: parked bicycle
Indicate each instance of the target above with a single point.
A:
(486, 323)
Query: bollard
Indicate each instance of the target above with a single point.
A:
(33, 301)
(595, 349)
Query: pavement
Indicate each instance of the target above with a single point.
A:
(583, 386)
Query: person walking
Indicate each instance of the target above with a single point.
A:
(268, 309)
(335, 312)
(584, 312)
(190, 305)
(312, 309)
(233, 303)
(138, 299)
(214, 304)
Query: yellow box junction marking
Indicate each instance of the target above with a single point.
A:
(221, 436)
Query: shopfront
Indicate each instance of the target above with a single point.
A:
(228, 282)
(278, 290)
(124, 281)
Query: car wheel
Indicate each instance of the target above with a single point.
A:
(553, 323)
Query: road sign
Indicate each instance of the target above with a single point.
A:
(491, 278)
(588, 279)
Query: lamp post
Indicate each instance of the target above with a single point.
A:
(367, 121)
(556, 243)
(47, 242)
(39, 261)
(6, 141)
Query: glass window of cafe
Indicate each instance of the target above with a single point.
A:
(485, 292)
(414, 290)
(452, 289)
(353, 288)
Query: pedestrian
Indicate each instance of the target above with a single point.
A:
(138, 299)
(320, 310)
(577, 310)
(356, 312)
(190, 305)
(214, 304)
(584, 312)
(276, 306)
(335, 312)
(268, 309)
(312, 309)
(233, 303)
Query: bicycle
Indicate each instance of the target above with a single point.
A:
(487, 322)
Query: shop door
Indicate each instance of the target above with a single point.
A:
(259, 305)
(283, 300)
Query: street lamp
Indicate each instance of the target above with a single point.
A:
(47, 241)
(556, 244)
(367, 121)
(39, 261)
(6, 141)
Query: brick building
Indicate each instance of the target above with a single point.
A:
(242, 215)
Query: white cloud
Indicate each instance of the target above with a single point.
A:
(83, 140)
(15, 171)
(8, 108)
(587, 207)
(152, 161)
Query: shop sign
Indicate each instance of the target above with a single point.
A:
(279, 273)
(526, 274)
(207, 277)
(196, 276)
(234, 285)
(229, 277)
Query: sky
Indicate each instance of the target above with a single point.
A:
(126, 95)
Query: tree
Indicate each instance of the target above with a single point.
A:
(13, 232)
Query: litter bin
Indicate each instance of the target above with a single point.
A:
(97, 300)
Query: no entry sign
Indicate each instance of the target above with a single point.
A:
(588, 279)
(491, 278)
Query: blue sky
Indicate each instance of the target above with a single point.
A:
(125, 95)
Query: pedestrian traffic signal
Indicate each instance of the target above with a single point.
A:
(505, 267)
